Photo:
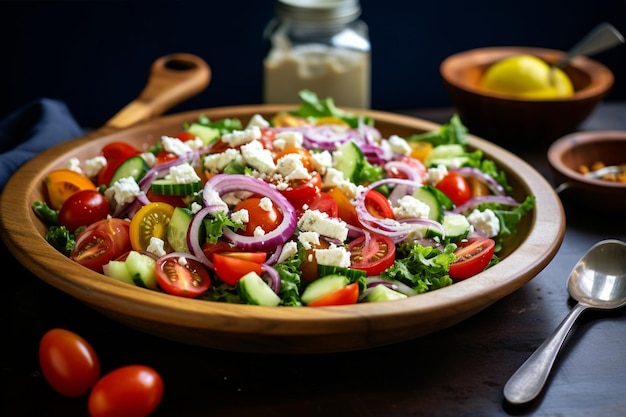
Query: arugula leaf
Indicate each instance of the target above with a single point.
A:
(453, 132)
(313, 107)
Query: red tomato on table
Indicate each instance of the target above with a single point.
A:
(129, 391)
(68, 362)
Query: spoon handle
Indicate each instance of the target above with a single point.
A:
(526, 383)
(602, 37)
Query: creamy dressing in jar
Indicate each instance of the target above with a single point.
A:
(320, 46)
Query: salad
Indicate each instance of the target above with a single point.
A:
(313, 207)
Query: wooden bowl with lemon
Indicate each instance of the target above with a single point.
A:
(508, 95)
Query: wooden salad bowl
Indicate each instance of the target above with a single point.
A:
(284, 330)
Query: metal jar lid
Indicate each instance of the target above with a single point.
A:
(319, 11)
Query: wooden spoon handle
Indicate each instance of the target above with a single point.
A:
(173, 79)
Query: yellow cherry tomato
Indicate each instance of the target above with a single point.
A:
(150, 221)
(346, 209)
(62, 183)
(329, 120)
(420, 150)
(284, 119)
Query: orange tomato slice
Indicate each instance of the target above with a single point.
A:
(62, 183)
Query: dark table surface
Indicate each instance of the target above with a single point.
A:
(460, 371)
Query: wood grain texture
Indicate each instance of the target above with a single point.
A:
(277, 330)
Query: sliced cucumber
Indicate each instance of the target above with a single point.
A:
(352, 274)
(253, 290)
(135, 167)
(427, 196)
(383, 293)
(206, 133)
(169, 187)
(448, 155)
(142, 269)
(177, 229)
(322, 286)
(118, 270)
(455, 227)
(349, 160)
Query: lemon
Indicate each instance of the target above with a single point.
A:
(527, 77)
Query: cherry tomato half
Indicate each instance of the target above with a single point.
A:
(101, 242)
(129, 391)
(173, 200)
(258, 216)
(150, 221)
(456, 187)
(477, 187)
(68, 362)
(115, 153)
(345, 208)
(164, 156)
(82, 209)
(62, 183)
(378, 205)
(472, 257)
(321, 201)
(303, 189)
(185, 279)
(230, 269)
(304, 154)
(372, 254)
(309, 266)
(417, 165)
(343, 296)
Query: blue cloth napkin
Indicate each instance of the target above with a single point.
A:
(32, 129)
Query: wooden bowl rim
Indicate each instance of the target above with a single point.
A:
(561, 146)
(601, 77)
(535, 251)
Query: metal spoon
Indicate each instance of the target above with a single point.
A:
(602, 37)
(598, 281)
(607, 170)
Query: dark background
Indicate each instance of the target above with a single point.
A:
(95, 55)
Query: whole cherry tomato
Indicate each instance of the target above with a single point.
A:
(129, 391)
(68, 362)
(455, 186)
(83, 208)
(267, 219)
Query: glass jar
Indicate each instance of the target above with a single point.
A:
(319, 45)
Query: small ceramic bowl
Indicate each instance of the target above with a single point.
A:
(571, 152)
(517, 123)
